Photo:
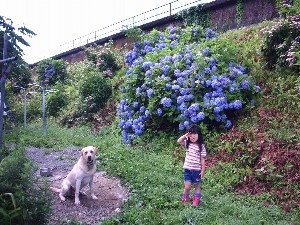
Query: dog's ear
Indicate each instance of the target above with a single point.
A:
(82, 150)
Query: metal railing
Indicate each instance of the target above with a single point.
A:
(143, 18)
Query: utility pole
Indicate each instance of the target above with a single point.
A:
(5, 70)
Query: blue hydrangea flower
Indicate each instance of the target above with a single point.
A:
(194, 119)
(201, 116)
(182, 107)
(177, 73)
(181, 126)
(206, 51)
(166, 102)
(174, 43)
(128, 124)
(210, 34)
(150, 92)
(123, 90)
(148, 73)
(180, 99)
(194, 107)
(184, 91)
(217, 109)
(121, 123)
(181, 81)
(142, 109)
(147, 65)
(135, 105)
(168, 86)
(245, 85)
(138, 91)
(159, 111)
(175, 87)
(165, 69)
(256, 88)
(228, 124)
(147, 113)
(186, 123)
(218, 117)
(237, 104)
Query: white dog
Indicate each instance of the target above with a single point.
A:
(81, 175)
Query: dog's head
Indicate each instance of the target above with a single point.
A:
(89, 154)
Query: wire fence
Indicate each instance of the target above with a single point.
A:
(157, 13)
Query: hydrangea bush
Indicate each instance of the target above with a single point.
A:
(182, 76)
(281, 46)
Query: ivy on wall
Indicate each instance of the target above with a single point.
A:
(195, 15)
(239, 7)
(198, 15)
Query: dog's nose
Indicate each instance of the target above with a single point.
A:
(90, 158)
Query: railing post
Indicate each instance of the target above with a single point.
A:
(170, 9)
(44, 111)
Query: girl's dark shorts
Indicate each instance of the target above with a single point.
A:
(192, 176)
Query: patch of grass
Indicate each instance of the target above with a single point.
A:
(56, 137)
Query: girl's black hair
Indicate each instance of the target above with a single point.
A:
(195, 129)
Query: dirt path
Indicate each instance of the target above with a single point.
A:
(111, 195)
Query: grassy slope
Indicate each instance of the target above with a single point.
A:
(269, 135)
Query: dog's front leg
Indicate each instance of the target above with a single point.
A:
(91, 189)
(77, 190)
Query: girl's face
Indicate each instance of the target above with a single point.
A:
(193, 137)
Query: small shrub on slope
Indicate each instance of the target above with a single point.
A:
(281, 46)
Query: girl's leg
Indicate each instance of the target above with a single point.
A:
(187, 187)
(197, 188)
(186, 192)
(197, 195)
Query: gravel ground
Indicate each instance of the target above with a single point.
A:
(111, 195)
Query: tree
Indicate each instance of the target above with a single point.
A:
(11, 52)
(51, 71)
(20, 74)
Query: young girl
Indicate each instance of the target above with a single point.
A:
(194, 163)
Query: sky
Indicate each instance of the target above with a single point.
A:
(58, 22)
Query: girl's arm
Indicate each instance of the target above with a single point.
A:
(182, 139)
(202, 166)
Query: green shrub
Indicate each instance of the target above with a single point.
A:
(58, 74)
(288, 8)
(95, 90)
(281, 44)
(17, 178)
(9, 209)
(56, 102)
(34, 106)
(107, 59)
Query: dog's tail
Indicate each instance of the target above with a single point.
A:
(55, 189)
